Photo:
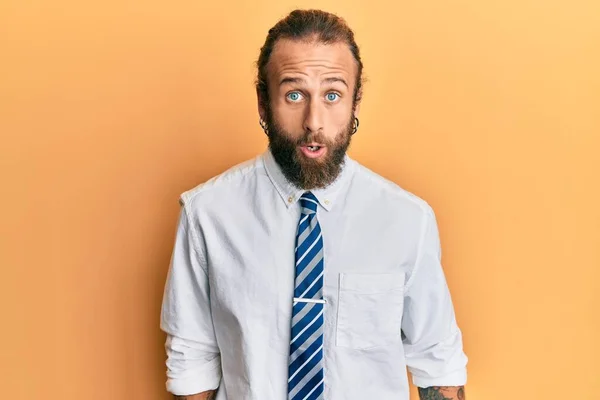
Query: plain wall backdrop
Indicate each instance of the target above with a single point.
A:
(489, 110)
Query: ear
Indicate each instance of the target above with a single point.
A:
(358, 100)
(262, 112)
(357, 110)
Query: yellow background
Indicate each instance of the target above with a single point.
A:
(489, 110)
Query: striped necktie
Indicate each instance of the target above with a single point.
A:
(305, 379)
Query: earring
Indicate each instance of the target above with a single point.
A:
(355, 125)
(264, 126)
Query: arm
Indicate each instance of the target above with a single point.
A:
(431, 338)
(442, 393)
(193, 356)
(210, 395)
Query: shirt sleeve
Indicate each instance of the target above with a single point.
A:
(193, 357)
(431, 338)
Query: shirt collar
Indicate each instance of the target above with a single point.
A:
(290, 194)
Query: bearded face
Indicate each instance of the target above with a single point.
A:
(310, 109)
(300, 169)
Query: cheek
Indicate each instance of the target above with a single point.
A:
(338, 118)
(288, 117)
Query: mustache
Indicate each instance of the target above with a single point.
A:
(311, 137)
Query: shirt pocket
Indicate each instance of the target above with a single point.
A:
(369, 309)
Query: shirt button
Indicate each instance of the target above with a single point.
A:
(326, 201)
(290, 199)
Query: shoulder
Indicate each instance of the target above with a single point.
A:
(225, 185)
(388, 192)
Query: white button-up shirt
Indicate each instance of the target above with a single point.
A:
(227, 304)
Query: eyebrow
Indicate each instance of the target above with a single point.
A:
(301, 80)
(335, 79)
(291, 80)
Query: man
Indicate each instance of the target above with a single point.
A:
(301, 274)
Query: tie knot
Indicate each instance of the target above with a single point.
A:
(309, 203)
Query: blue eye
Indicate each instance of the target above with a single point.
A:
(294, 96)
(332, 96)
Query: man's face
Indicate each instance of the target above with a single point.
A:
(311, 109)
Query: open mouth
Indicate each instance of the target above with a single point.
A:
(313, 150)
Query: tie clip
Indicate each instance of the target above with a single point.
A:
(299, 300)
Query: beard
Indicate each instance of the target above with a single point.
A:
(303, 172)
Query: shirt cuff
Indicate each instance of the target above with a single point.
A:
(456, 378)
(193, 383)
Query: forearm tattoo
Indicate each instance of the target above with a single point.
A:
(442, 393)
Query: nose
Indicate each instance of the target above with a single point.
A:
(313, 120)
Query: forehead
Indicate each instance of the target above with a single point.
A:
(311, 58)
